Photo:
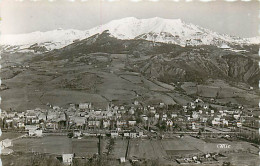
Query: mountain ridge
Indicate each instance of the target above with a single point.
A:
(173, 31)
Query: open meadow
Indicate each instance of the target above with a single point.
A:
(57, 145)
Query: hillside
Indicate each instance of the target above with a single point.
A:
(102, 68)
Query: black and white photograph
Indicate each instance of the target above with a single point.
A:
(129, 83)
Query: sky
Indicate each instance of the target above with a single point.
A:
(232, 18)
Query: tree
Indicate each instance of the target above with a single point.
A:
(163, 125)
(199, 133)
(76, 162)
(11, 125)
(1, 123)
(70, 135)
(138, 120)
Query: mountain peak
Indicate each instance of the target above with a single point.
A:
(148, 19)
(131, 27)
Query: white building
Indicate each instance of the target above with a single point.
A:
(37, 133)
(6, 143)
(198, 100)
(133, 135)
(164, 117)
(84, 105)
(77, 133)
(56, 107)
(145, 118)
(195, 115)
(193, 126)
(205, 107)
(236, 116)
(132, 111)
(114, 134)
(106, 123)
(31, 127)
(67, 158)
(169, 123)
(132, 122)
(20, 124)
(126, 134)
(162, 104)
(225, 122)
(204, 119)
(122, 160)
(174, 115)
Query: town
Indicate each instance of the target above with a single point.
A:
(199, 119)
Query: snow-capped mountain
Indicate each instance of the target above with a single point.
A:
(156, 29)
(253, 40)
(51, 39)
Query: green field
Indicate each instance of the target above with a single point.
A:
(138, 148)
(57, 145)
(10, 135)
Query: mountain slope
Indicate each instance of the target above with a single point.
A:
(168, 62)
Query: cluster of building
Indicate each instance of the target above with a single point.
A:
(132, 119)
(210, 158)
(82, 116)
(201, 114)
